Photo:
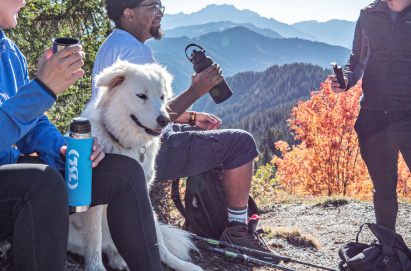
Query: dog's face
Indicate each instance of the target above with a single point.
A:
(134, 97)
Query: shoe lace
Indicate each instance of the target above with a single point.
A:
(258, 240)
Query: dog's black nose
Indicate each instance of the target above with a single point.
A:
(163, 121)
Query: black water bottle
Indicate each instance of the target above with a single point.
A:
(220, 92)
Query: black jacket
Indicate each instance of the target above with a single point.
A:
(382, 52)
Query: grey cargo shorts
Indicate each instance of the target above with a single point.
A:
(187, 151)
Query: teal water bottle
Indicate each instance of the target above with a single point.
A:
(78, 165)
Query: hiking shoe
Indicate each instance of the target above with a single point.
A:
(245, 235)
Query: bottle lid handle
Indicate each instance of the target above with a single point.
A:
(191, 45)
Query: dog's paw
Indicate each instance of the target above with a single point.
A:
(115, 261)
(118, 263)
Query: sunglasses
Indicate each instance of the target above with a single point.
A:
(157, 7)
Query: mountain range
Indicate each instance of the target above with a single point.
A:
(239, 49)
(334, 32)
(193, 31)
(217, 13)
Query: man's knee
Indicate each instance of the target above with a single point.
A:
(245, 139)
(240, 149)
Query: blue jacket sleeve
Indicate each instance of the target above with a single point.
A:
(46, 141)
(20, 113)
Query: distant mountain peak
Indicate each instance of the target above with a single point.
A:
(239, 29)
(222, 5)
(223, 8)
(202, 29)
(226, 7)
(225, 12)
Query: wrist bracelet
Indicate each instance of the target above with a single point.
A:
(192, 119)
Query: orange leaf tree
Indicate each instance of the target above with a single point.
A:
(404, 180)
(328, 160)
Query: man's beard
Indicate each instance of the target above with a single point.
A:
(157, 33)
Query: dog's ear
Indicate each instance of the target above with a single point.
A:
(112, 76)
(116, 81)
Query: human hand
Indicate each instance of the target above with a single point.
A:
(203, 82)
(207, 121)
(60, 70)
(335, 86)
(96, 156)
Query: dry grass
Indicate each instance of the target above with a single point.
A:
(293, 236)
(277, 245)
(335, 201)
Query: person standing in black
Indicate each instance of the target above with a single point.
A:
(382, 56)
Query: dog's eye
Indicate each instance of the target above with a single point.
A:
(142, 96)
(162, 97)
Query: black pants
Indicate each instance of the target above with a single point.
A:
(381, 137)
(34, 210)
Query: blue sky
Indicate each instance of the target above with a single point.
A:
(287, 11)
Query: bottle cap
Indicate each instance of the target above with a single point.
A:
(80, 125)
(197, 56)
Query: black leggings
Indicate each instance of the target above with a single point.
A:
(34, 210)
(381, 137)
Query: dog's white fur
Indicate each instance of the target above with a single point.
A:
(121, 87)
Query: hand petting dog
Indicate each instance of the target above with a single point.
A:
(96, 156)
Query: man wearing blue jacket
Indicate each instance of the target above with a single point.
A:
(33, 197)
(382, 56)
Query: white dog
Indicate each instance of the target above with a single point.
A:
(127, 117)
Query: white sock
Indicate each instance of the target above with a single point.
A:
(237, 214)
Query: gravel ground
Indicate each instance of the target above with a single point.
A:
(331, 225)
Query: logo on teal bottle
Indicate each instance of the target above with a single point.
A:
(72, 181)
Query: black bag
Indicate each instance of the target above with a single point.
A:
(388, 253)
(205, 210)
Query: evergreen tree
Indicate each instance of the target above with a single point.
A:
(40, 21)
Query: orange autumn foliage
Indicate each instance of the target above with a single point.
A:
(328, 160)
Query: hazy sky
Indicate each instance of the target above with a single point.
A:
(287, 11)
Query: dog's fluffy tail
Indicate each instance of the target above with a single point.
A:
(177, 241)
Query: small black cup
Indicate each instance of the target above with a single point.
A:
(61, 43)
